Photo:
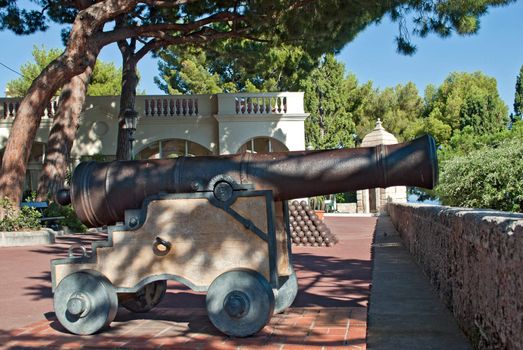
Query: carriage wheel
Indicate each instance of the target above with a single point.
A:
(85, 302)
(240, 302)
(286, 294)
(145, 299)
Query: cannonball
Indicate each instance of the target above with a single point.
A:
(294, 224)
(293, 234)
(306, 207)
(323, 234)
(301, 223)
(311, 239)
(300, 234)
(292, 207)
(309, 212)
(319, 239)
(329, 244)
(314, 217)
(308, 234)
(327, 239)
(317, 222)
(303, 213)
(323, 244)
(294, 213)
(291, 218)
(304, 239)
(303, 203)
(315, 233)
(315, 244)
(299, 207)
(295, 202)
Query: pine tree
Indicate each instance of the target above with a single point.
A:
(518, 97)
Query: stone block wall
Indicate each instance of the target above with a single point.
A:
(474, 259)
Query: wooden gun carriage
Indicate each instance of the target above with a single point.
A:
(216, 224)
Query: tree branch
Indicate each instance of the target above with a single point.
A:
(117, 34)
(164, 3)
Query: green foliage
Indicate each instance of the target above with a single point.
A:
(70, 220)
(326, 86)
(485, 178)
(186, 72)
(466, 141)
(31, 70)
(400, 109)
(321, 26)
(259, 67)
(317, 203)
(518, 96)
(26, 218)
(346, 197)
(106, 78)
(464, 99)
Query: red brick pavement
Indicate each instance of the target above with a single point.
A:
(330, 311)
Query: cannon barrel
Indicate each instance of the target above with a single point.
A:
(101, 192)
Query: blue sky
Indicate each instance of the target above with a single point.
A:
(497, 51)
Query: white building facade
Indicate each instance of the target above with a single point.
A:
(178, 125)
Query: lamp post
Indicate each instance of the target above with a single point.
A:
(130, 119)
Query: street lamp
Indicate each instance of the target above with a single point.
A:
(130, 119)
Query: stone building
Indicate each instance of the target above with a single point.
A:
(172, 126)
(375, 200)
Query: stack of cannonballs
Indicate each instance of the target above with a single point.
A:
(307, 229)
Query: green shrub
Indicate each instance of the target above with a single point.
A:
(346, 197)
(26, 218)
(70, 219)
(485, 178)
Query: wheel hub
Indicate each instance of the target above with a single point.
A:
(236, 304)
(78, 305)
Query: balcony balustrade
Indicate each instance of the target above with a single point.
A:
(174, 106)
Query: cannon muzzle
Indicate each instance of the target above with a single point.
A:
(101, 192)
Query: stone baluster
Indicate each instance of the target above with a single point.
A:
(147, 110)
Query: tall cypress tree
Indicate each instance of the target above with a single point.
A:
(518, 97)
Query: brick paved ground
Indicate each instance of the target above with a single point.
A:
(330, 311)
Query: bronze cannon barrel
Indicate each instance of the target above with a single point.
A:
(101, 192)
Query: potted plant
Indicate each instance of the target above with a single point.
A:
(318, 205)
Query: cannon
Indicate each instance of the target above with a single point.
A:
(217, 224)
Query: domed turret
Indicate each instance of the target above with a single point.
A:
(375, 200)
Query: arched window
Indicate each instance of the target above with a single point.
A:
(172, 148)
(263, 145)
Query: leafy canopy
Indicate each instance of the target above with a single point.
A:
(484, 172)
(327, 100)
(106, 78)
(464, 99)
(321, 26)
(219, 68)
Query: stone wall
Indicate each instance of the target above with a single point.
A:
(474, 259)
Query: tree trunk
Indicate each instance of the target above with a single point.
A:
(127, 101)
(25, 126)
(62, 135)
(81, 52)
